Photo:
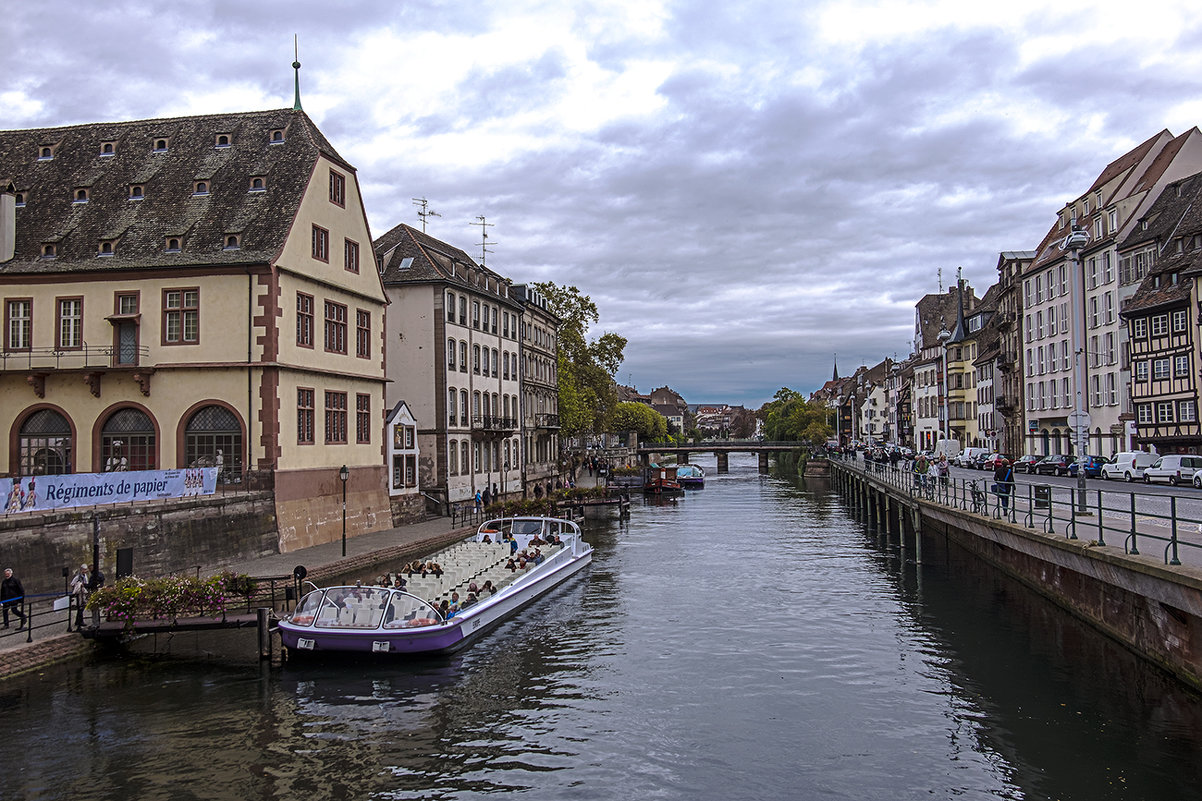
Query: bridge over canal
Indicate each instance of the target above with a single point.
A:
(722, 449)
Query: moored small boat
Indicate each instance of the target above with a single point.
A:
(408, 621)
(661, 481)
(690, 476)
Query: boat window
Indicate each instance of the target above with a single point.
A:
(352, 607)
(408, 611)
(306, 610)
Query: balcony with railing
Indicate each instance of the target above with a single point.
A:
(544, 421)
(488, 426)
(86, 357)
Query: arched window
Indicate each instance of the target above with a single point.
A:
(463, 408)
(44, 444)
(213, 438)
(476, 405)
(450, 307)
(462, 356)
(451, 415)
(453, 458)
(506, 463)
(450, 354)
(463, 459)
(127, 442)
(495, 369)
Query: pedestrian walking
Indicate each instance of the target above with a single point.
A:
(479, 502)
(487, 497)
(12, 597)
(78, 590)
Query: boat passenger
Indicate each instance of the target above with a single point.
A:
(488, 587)
(454, 599)
(510, 565)
(472, 587)
(452, 611)
(487, 539)
(471, 599)
(444, 608)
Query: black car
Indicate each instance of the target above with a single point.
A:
(1054, 465)
(1027, 463)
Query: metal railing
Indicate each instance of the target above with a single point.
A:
(1110, 515)
(85, 357)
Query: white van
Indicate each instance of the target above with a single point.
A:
(1129, 465)
(1175, 468)
(947, 447)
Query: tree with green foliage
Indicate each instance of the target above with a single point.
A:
(789, 417)
(640, 418)
(586, 367)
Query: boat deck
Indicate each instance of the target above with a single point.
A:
(462, 564)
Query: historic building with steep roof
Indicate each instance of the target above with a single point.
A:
(195, 291)
(455, 335)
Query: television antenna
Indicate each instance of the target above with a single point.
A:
(425, 214)
(484, 241)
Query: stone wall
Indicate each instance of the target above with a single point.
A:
(1152, 608)
(407, 509)
(166, 537)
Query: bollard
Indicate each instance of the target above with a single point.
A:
(263, 617)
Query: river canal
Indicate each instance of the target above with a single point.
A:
(749, 642)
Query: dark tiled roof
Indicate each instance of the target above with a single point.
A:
(168, 208)
(1175, 215)
(431, 260)
(937, 311)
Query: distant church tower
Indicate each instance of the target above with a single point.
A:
(835, 377)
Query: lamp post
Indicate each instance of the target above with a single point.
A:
(344, 474)
(1079, 419)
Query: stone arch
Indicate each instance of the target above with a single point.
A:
(126, 437)
(211, 433)
(42, 442)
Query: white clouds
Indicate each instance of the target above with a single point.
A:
(738, 185)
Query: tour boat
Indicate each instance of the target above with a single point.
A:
(386, 620)
(690, 476)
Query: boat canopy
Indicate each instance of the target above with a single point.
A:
(363, 608)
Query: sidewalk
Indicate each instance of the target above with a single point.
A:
(53, 643)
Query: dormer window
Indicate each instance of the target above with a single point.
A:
(258, 184)
(200, 188)
(223, 140)
(49, 250)
(81, 195)
(20, 199)
(160, 146)
(277, 136)
(173, 244)
(106, 248)
(232, 242)
(45, 153)
(108, 149)
(136, 192)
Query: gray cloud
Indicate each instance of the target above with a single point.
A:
(791, 197)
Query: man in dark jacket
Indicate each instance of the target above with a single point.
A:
(12, 596)
(1003, 478)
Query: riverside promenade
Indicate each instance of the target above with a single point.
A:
(393, 547)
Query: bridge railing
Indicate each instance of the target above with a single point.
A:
(1167, 525)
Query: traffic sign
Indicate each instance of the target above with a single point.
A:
(1079, 419)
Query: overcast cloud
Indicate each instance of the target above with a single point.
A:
(743, 188)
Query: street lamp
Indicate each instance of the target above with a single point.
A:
(344, 474)
(1079, 419)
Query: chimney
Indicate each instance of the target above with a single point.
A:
(8, 223)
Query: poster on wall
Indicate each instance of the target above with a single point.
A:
(48, 493)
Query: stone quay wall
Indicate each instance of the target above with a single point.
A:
(166, 537)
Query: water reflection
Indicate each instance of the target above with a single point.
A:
(749, 642)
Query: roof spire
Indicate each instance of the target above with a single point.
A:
(296, 104)
(836, 360)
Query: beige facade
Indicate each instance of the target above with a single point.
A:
(203, 305)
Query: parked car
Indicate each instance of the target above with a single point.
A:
(1093, 466)
(1026, 464)
(968, 458)
(1055, 465)
(1173, 468)
(1129, 465)
(991, 461)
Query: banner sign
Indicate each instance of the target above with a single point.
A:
(47, 493)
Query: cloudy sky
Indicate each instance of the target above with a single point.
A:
(744, 188)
